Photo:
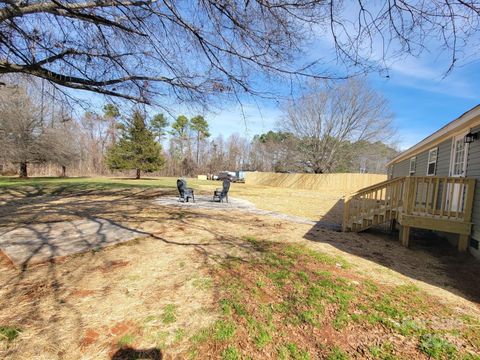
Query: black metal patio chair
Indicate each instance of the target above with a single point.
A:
(185, 192)
(220, 194)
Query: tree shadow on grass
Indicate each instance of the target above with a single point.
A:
(430, 258)
(30, 292)
(129, 353)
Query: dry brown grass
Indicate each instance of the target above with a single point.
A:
(86, 305)
(310, 204)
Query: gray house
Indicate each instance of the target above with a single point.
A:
(432, 185)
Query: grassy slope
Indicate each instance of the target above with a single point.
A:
(295, 303)
(289, 302)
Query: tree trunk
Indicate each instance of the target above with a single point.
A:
(198, 146)
(138, 174)
(23, 170)
(64, 171)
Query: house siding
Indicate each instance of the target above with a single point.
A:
(443, 162)
(422, 161)
(401, 168)
(473, 170)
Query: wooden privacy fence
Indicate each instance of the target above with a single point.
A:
(337, 183)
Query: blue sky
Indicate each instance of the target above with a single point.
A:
(420, 96)
(423, 99)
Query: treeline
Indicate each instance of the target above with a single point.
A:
(320, 134)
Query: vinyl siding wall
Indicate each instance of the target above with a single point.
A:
(401, 168)
(443, 162)
(473, 170)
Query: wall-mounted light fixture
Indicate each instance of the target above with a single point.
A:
(470, 137)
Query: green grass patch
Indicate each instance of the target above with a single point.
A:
(279, 277)
(289, 288)
(179, 334)
(337, 354)
(203, 283)
(437, 347)
(224, 330)
(96, 182)
(293, 352)
(230, 307)
(169, 314)
(9, 333)
(230, 353)
(263, 337)
(126, 340)
(384, 352)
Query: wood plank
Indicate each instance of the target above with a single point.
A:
(469, 199)
(404, 235)
(435, 196)
(463, 242)
(446, 225)
(444, 196)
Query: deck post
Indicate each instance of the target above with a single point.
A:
(346, 212)
(462, 242)
(392, 225)
(404, 235)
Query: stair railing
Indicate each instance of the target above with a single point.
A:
(427, 196)
(379, 199)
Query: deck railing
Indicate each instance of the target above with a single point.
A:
(437, 197)
(440, 197)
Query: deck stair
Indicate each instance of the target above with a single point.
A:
(428, 202)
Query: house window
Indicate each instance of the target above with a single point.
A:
(432, 161)
(413, 164)
(459, 158)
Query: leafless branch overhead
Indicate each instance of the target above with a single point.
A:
(193, 50)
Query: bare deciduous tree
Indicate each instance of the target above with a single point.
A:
(330, 115)
(62, 145)
(138, 49)
(21, 129)
(26, 137)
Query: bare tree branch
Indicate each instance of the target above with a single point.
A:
(142, 49)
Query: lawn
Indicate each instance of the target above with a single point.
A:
(312, 205)
(223, 285)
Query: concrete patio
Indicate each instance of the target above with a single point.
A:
(36, 243)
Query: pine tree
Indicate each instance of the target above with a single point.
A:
(136, 149)
(200, 126)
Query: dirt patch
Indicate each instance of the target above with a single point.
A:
(81, 293)
(90, 337)
(112, 266)
(123, 328)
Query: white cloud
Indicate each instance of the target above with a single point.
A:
(424, 76)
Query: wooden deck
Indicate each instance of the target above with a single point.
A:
(426, 202)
